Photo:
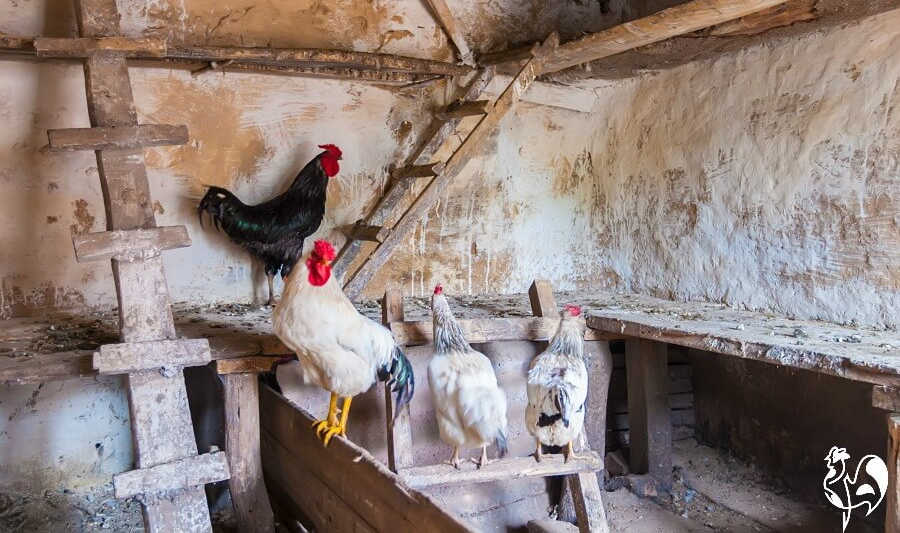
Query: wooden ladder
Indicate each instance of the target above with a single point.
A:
(170, 474)
(377, 226)
(581, 473)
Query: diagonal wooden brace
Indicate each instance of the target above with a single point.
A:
(129, 245)
(116, 137)
(129, 357)
(193, 471)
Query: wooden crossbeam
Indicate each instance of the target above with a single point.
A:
(444, 475)
(418, 171)
(672, 22)
(129, 245)
(464, 109)
(364, 232)
(194, 471)
(116, 138)
(86, 46)
(454, 165)
(129, 357)
(488, 329)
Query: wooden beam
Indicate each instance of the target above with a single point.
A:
(131, 357)
(445, 18)
(540, 296)
(129, 245)
(672, 22)
(443, 475)
(86, 46)
(254, 364)
(648, 410)
(418, 171)
(123, 137)
(892, 511)
(399, 429)
(479, 330)
(364, 232)
(457, 162)
(193, 471)
(886, 398)
(588, 498)
(248, 490)
(775, 17)
(464, 109)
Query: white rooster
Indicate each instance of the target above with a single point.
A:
(338, 349)
(557, 387)
(470, 406)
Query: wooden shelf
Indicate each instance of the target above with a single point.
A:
(444, 475)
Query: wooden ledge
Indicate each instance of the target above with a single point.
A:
(129, 245)
(182, 474)
(444, 475)
(135, 356)
(480, 330)
(86, 46)
(116, 138)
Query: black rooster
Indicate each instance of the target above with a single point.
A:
(274, 231)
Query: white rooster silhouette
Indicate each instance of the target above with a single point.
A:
(848, 493)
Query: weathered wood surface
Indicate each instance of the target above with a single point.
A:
(648, 409)
(248, 490)
(129, 245)
(861, 354)
(390, 205)
(547, 525)
(364, 232)
(444, 475)
(418, 171)
(136, 356)
(775, 17)
(886, 398)
(588, 498)
(116, 138)
(479, 330)
(445, 18)
(672, 22)
(86, 46)
(181, 474)
(364, 491)
(464, 109)
(892, 511)
(253, 364)
(454, 165)
(399, 429)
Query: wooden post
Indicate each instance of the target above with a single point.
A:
(399, 431)
(648, 409)
(892, 512)
(583, 489)
(248, 490)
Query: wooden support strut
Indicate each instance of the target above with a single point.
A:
(399, 431)
(193, 471)
(131, 357)
(648, 409)
(121, 138)
(129, 245)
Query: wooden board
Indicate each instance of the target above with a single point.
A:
(445, 18)
(129, 245)
(892, 512)
(444, 475)
(377, 496)
(399, 430)
(477, 330)
(858, 354)
(136, 356)
(177, 475)
(116, 138)
(86, 46)
(648, 410)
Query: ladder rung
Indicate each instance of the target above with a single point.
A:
(464, 109)
(365, 232)
(418, 171)
(116, 138)
(443, 475)
(129, 245)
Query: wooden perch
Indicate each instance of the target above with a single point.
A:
(129, 245)
(193, 471)
(130, 357)
(116, 138)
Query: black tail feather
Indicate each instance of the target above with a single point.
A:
(399, 374)
(500, 442)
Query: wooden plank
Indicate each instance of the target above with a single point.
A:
(129, 245)
(648, 410)
(464, 109)
(479, 330)
(457, 162)
(254, 364)
(547, 525)
(543, 303)
(886, 398)
(48, 367)
(445, 18)
(399, 429)
(672, 22)
(363, 483)
(444, 475)
(588, 498)
(364, 232)
(388, 207)
(192, 471)
(136, 356)
(116, 138)
(248, 490)
(418, 171)
(767, 19)
(87, 46)
(892, 511)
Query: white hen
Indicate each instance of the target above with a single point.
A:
(338, 349)
(470, 406)
(557, 387)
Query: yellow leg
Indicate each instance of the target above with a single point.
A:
(569, 452)
(340, 428)
(331, 420)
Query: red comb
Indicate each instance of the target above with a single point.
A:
(438, 289)
(324, 250)
(573, 310)
(332, 149)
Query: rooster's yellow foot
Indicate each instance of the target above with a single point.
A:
(332, 431)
